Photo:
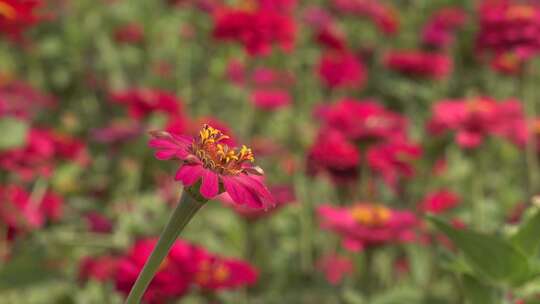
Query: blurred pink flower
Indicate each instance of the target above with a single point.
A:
(335, 267)
(207, 159)
(419, 64)
(256, 30)
(439, 201)
(101, 268)
(98, 222)
(439, 30)
(393, 160)
(342, 70)
(332, 154)
(129, 33)
(363, 120)
(217, 273)
(270, 100)
(385, 17)
(141, 102)
(17, 16)
(21, 100)
(365, 225)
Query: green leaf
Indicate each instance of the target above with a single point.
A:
(489, 255)
(527, 237)
(477, 292)
(14, 134)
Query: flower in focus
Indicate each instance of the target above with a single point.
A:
(342, 70)
(363, 120)
(393, 160)
(332, 154)
(271, 100)
(208, 160)
(16, 16)
(173, 278)
(216, 273)
(439, 30)
(335, 267)
(256, 30)
(439, 201)
(365, 225)
(419, 64)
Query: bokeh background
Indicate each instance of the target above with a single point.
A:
(365, 115)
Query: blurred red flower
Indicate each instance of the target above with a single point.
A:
(270, 100)
(419, 64)
(101, 268)
(382, 15)
(256, 30)
(21, 100)
(217, 273)
(342, 70)
(439, 201)
(17, 16)
(335, 267)
(364, 225)
(439, 30)
(130, 33)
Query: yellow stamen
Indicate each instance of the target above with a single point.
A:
(221, 273)
(372, 216)
(521, 11)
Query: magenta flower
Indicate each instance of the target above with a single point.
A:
(364, 225)
(335, 267)
(439, 201)
(342, 70)
(393, 160)
(271, 100)
(439, 30)
(217, 273)
(207, 161)
(419, 64)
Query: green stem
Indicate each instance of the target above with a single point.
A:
(183, 213)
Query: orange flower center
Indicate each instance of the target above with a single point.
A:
(476, 105)
(7, 11)
(372, 216)
(218, 156)
(520, 12)
(248, 5)
(209, 272)
(509, 61)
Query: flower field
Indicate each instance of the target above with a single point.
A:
(270, 151)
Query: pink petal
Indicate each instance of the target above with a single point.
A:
(239, 193)
(210, 184)
(164, 154)
(189, 174)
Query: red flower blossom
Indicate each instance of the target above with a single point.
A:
(439, 201)
(419, 64)
(216, 273)
(393, 160)
(17, 16)
(98, 223)
(335, 267)
(509, 63)
(270, 100)
(141, 102)
(40, 153)
(509, 26)
(365, 225)
(342, 70)
(474, 119)
(100, 269)
(172, 280)
(363, 120)
(332, 38)
(383, 16)
(439, 30)
(331, 153)
(130, 33)
(208, 160)
(21, 211)
(19, 99)
(256, 30)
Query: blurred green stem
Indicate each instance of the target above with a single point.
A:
(368, 275)
(183, 213)
(530, 149)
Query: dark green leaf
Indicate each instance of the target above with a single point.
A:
(477, 292)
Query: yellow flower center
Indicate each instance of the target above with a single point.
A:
(218, 156)
(209, 272)
(372, 216)
(7, 11)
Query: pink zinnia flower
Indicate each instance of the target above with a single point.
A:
(364, 225)
(271, 100)
(439, 30)
(419, 64)
(100, 269)
(363, 120)
(256, 30)
(439, 201)
(335, 267)
(207, 160)
(172, 280)
(331, 153)
(141, 102)
(217, 273)
(342, 70)
(393, 160)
